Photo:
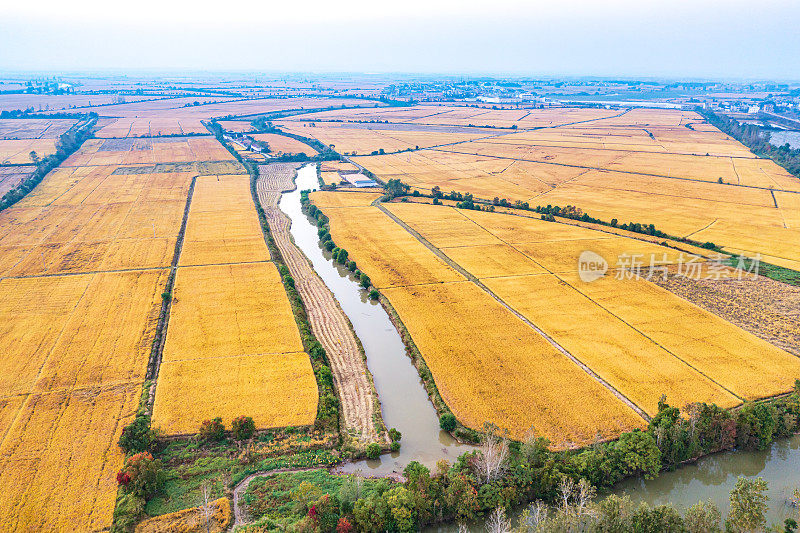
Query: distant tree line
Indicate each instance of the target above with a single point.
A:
(66, 144)
(549, 212)
(757, 140)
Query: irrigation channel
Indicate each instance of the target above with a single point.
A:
(405, 404)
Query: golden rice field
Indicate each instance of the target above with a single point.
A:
(745, 365)
(622, 313)
(282, 145)
(93, 219)
(644, 166)
(325, 199)
(384, 250)
(223, 226)
(276, 390)
(638, 338)
(74, 377)
(505, 373)
(624, 357)
(330, 178)
(464, 116)
(59, 459)
(355, 140)
(17, 151)
(34, 128)
(250, 341)
(148, 151)
(57, 336)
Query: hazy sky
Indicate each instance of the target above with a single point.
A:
(700, 38)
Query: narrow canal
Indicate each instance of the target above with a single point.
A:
(404, 402)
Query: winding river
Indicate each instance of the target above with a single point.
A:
(405, 404)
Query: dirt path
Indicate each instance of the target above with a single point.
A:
(328, 322)
(241, 487)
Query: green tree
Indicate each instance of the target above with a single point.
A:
(137, 436)
(243, 428)
(373, 450)
(211, 430)
(448, 422)
(395, 188)
(402, 508)
(748, 505)
(703, 517)
(371, 513)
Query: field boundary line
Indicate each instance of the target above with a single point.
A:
(610, 170)
(643, 334)
(701, 229)
(166, 304)
(516, 313)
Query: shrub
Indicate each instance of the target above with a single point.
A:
(243, 427)
(395, 435)
(212, 430)
(373, 294)
(395, 446)
(373, 450)
(137, 436)
(127, 512)
(344, 526)
(141, 476)
(448, 422)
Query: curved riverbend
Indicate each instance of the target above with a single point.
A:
(404, 402)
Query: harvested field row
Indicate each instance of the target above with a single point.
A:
(329, 323)
(766, 308)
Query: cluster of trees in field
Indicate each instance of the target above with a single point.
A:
(501, 475)
(757, 140)
(66, 144)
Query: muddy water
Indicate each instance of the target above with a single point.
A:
(404, 402)
(714, 476)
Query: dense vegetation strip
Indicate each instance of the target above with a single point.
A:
(503, 475)
(757, 140)
(66, 145)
